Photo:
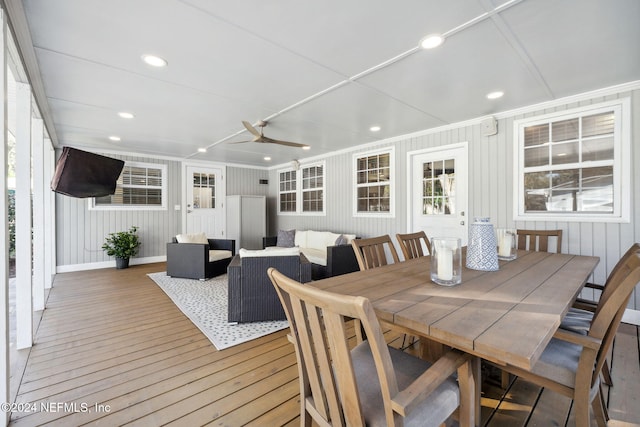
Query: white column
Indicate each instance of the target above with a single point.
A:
(5, 372)
(37, 147)
(49, 215)
(24, 295)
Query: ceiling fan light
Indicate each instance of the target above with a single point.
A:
(114, 138)
(306, 147)
(375, 128)
(154, 61)
(495, 95)
(267, 158)
(202, 150)
(431, 41)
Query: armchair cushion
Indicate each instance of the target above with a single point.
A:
(192, 238)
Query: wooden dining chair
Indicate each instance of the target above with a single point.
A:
(411, 244)
(571, 363)
(538, 240)
(371, 384)
(371, 253)
(579, 317)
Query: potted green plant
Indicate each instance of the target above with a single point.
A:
(122, 245)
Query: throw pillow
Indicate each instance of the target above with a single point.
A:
(341, 240)
(286, 238)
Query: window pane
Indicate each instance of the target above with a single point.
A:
(598, 124)
(536, 156)
(565, 130)
(565, 153)
(536, 135)
(597, 149)
(597, 190)
(536, 186)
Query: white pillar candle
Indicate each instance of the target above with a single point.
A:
(504, 247)
(445, 263)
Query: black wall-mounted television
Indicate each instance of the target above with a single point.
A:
(83, 174)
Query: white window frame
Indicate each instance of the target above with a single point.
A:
(392, 184)
(163, 188)
(621, 164)
(299, 191)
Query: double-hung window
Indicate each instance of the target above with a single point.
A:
(301, 190)
(374, 184)
(140, 186)
(571, 164)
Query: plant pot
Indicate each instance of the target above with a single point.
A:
(122, 263)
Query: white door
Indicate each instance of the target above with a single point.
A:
(438, 192)
(205, 201)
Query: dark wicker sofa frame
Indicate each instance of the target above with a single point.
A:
(191, 260)
(252, 297)
(340, 260)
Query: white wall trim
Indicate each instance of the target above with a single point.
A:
(107, 264)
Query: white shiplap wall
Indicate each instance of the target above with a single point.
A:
(490, 189)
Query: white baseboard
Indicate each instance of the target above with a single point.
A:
(631, 316)
(107, 264)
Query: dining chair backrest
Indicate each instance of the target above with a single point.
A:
(538, 240)
(329, 385)
(612, 306)
(411, 244)
(372, 252)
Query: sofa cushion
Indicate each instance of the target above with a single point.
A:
(271, 251)
(316, 256)
(218, 254)
(192, 238)
(316, 239)
(286, 238)
(301, 239)
(330, 238)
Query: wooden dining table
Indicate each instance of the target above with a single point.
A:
(506, 316)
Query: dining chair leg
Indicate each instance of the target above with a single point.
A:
(599, 409)
(505, 380)
(606, 374)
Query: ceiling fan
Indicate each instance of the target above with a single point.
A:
(259, 136)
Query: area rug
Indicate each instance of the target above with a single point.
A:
(205, 304)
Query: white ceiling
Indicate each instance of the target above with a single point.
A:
(322, 72)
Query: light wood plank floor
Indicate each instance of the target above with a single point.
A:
(112, 349)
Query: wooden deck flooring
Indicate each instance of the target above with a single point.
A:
(112, 349)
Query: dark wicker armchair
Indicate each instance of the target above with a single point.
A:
(199, 260)
(252, 297)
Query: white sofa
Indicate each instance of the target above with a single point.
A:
(330, 253)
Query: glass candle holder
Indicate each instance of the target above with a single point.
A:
(506, 239)
(446, 261)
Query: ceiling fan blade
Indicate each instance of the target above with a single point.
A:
(287, 143)
(251, 128)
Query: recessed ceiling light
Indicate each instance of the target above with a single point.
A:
(495, 95)
(202, 150)
(306, 147)
(375, 128)
(431, 41)
(114, 138)
(154, 61)
(267, 158)
(126, 115)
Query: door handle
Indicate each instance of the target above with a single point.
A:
(461, 222)
(189, 211)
